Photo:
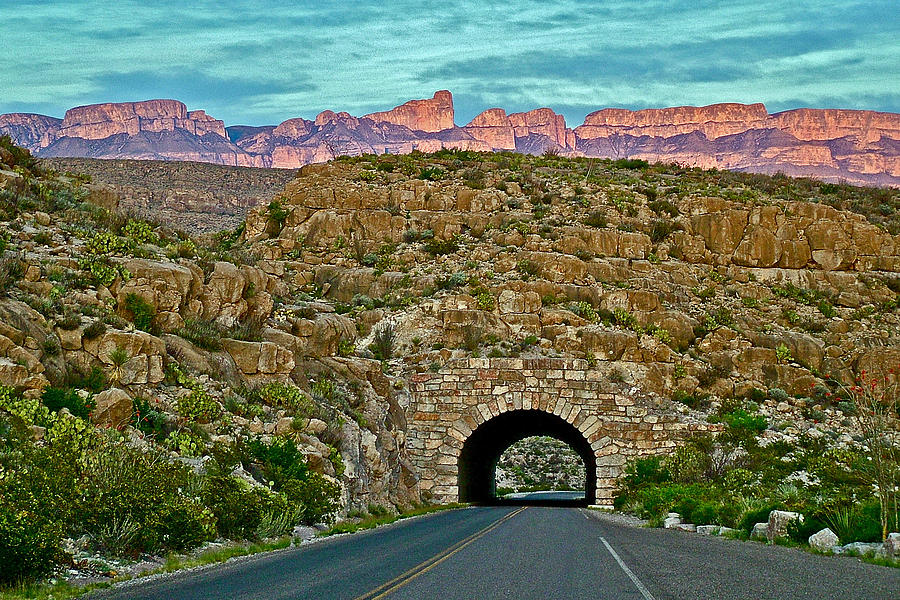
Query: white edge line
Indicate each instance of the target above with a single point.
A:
(637, 582)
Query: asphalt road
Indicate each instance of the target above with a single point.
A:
(523, 553)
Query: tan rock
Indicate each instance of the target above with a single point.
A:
(113, 408)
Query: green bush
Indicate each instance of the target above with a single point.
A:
(141, 312)
(438, 247)
(238, 509)
(646, 471)
(318, 497)
(280, 461)
(283, 395)
(203, 334)
(29, 544)
(198, 405)
(383, 342)
(58, 398)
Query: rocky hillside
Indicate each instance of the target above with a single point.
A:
(283, 348)
(539, 463)
(193, 196)
(834, 145)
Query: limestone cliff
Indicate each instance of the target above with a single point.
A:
(431, 115)
(29, 130)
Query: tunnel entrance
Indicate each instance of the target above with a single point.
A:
(482, 450)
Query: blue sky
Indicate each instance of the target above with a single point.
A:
(255, 62)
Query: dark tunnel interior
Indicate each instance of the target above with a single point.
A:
(481, 452)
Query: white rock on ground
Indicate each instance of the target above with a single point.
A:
(760, 531)
(892, 544)
(778, 523)
(823, 540)
(671, 520)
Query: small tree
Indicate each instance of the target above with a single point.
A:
(877, 403)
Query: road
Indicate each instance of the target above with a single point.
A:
(523, 553)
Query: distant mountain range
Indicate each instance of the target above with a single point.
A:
(856, 146)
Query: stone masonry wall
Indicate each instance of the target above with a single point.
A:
(449, 405)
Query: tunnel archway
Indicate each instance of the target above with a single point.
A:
(481, 451)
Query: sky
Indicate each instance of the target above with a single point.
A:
(262, 62)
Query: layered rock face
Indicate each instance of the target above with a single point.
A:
(152, 130)
(431, 115)
(713, 121)
(861, 147)
(29, 130)
(531, 132)
(99, 121)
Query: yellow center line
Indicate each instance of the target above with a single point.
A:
(426, 565)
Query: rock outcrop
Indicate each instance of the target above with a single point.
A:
(29, 130)
(99, 121)
(531, 132)
(853, 145)
(431, 115)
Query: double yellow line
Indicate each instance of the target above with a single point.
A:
(425, 566)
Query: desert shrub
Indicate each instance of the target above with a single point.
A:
(431, 173)
(140, 311)
(203, 333)
(12, 270)
(528, 268)
(283, 395)
(198, 405)
(277, 213)
(185, 524)
(280, 461)
(646, 471)
(596, 219)
(383, 342)
(93, 380)
(29, 543)
(663, 206)
(693, 400)
(438, 247)
(148, 420)
(238, 509)
(58, 398)
(660, 229)
(248, 330)
(94, 330)
(139, 232)
(318, 496)
(630, 163)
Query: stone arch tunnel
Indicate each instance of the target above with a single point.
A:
(461, 418)
(482, 450)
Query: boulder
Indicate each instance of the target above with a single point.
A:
(778, 523)
(760, 531)
(892, 545)
(113, 408)
(708, 529)
(823, 540)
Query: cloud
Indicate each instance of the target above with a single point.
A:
(252, 65)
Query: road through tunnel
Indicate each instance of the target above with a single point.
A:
(482, 450)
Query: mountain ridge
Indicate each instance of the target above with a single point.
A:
(856, 146)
